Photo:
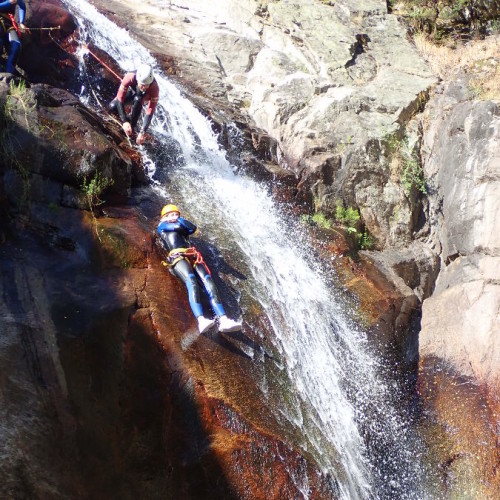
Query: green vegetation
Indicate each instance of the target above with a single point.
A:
(445, 20)
(93, 190)
(342, 146)
(351, 219)
(365, 241)
(348, 217)
(412, 175)
(20, 97)
(320, 220)
(406, 164)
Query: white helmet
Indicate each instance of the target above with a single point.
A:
(144, 74)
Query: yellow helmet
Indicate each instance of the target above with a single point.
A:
(168, 209)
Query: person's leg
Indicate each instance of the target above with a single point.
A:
(210, 289)
(14, 49)
(136, 110)
(113, 105)
(184, 271)
(225, 324)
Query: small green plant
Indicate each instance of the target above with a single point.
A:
(20, 97)
(407, 163)
(351, 219)
(349, 216)
(365, 241)
(342, 146)
(320, 220)
(93, 190)
(475, 89)
(393, 142)
(494, 26)
(412, 174)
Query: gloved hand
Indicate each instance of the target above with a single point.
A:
(141, 137)
(127, 128)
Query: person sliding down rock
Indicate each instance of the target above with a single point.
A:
(136, 88)
(187, 264)
(10, 31)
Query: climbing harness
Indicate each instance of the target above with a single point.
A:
(14, 24)
(13, 27)
(191, 254)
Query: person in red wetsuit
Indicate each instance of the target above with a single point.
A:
(137, 88)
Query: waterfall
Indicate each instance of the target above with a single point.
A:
(325, 377)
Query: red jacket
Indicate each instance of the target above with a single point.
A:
(150, 96)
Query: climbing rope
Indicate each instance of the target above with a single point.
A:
(102, 62)
(45, 29)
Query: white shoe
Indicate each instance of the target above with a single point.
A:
(228, 325)
(205, 324)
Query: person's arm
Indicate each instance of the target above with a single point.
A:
(180, 226)
(187, 225)
(126, 82)
(153, 94)
(121, 111)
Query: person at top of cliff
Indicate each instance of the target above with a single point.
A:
(10, 30)
(187, 264)
(136, 88)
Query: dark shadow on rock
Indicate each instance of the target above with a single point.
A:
(223, 342)
(137, 432)
(239, 344)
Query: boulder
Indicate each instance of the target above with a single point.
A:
(48, 50)
(51, 140)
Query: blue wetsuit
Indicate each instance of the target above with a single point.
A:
(8, 34)
(175, 236)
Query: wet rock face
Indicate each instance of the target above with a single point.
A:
(99, 398)
(461, 430)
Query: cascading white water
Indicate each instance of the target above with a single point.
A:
(334, 393)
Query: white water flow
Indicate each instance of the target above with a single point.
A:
(322, 375)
